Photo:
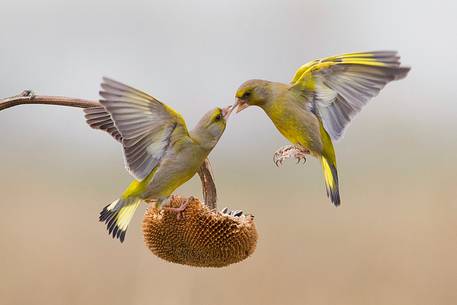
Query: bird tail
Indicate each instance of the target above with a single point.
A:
(118, 215)
(331, 180)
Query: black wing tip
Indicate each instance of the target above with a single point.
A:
(402, 72)
(109, 218)
(106, 79)
(110, 84)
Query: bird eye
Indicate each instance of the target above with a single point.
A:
(218, 117)
(246, 94)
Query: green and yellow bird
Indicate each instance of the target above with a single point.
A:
(159, 151)
(322, 98)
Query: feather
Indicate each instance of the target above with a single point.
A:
(140, 122)
(339, 86)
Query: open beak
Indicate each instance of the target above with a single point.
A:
(227, 111)
(240, 104)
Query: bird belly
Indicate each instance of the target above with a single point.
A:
(298, 126)
(173, 172)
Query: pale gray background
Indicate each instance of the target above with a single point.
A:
(392, 241)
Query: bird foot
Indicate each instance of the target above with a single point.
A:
(289, 151)
(179, 210)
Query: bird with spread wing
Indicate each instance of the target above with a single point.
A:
(322, 98)
(159, 151)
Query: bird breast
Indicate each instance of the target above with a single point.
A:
(175, 169)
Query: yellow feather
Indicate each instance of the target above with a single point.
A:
(125, 214)
(329, 181)
(304, 75)
(138, 187)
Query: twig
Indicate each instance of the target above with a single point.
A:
(27, 97)
(208, 185)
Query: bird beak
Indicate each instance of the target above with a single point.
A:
(227, 111)
(241, 105)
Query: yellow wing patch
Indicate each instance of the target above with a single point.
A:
(304, 74)
(339, 86)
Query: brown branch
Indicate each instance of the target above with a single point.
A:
(208, 185)
(27, 98)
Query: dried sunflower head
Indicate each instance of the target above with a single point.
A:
(202, 237)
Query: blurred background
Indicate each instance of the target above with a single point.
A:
(393, 240)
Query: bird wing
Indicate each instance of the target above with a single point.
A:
(144, 125)
(99, 118)
(339, 86)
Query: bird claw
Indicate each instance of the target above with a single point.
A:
(179, 210)
(300, 158)
(289, 151)
(278, 162)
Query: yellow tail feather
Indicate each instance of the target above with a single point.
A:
(118, 215)
(331, 181)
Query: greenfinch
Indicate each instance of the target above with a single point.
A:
(316, 106)
(159, 151)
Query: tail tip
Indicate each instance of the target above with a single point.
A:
(335, 198)
(109, 217)
(334, 195)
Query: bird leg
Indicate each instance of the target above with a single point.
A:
(179, 210)
(289, 151)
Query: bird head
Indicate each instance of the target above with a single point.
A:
(252, 92)
(211, 126)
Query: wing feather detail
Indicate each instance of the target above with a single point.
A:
(143, 125)
(340, 86)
